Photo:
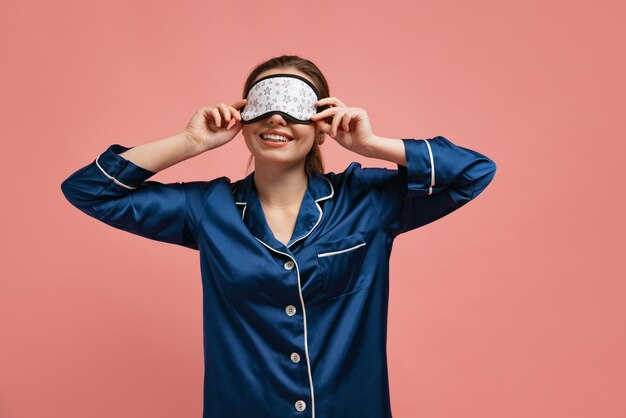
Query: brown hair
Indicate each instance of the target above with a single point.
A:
(313, 160)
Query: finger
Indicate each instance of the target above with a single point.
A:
(337, 121)
(323, 126)
(235, 113)
(240, 103)
(204, 111)
(326, 102)
(346, 122)
(216, 116)
(236, 127)
(236, 120)
(325, 113)
(331, 100)
(225, 111)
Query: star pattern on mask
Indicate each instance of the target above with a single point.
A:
(287, 94)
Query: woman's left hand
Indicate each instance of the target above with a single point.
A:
(350, 125)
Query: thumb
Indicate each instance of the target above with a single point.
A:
(324, 126)
(234, 123)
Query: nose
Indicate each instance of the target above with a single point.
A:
(277, 118)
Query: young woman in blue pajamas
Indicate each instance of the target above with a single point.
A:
(294, 261)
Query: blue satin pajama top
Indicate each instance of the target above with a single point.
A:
(295, 330)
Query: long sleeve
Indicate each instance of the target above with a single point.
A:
(114, 190)
(439, 178)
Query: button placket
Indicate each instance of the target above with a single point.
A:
(300, 405)
(290, 310)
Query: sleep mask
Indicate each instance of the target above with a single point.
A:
(290, 95)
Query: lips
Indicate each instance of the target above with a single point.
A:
(275, 132)
(274, 141)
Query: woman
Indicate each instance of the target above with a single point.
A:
(294, 261)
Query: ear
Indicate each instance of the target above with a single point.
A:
(321, 136)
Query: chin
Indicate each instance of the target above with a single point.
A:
(273, 158)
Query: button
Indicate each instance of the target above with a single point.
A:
(289, 265)
(300, 406)
(295, 357)
(291, 310)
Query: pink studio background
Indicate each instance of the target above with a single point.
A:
(513, 306)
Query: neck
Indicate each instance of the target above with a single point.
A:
(280, 186)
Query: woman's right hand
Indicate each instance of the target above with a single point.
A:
(214, 126)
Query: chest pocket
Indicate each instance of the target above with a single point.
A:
(339, 264)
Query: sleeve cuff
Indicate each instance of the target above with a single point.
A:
(419, 171)
(121, 171)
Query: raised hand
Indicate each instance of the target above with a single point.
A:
(214, 126)
(350, 126)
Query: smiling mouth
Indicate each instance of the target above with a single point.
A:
(275, 138)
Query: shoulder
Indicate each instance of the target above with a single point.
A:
(202, 190)
(356, 175)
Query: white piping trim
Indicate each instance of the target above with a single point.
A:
(113, 178)
(306, 344)
(332, 193)
(432, 169)
(245, 205)
(340, 251)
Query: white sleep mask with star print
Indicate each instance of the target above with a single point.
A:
(289, 95)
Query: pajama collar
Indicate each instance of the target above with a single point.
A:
(319, 189)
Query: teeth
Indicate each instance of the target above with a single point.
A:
(275, 138)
